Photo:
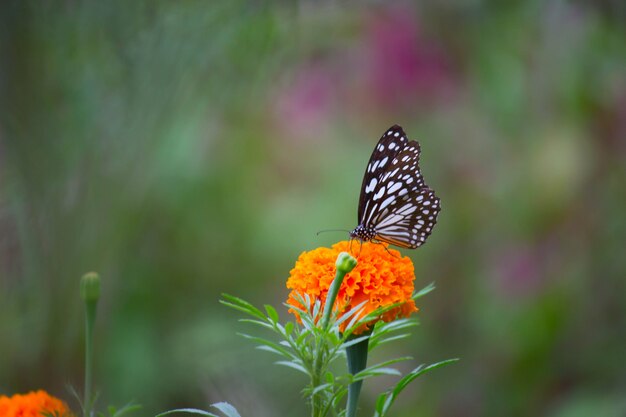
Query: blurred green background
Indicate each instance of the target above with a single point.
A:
(188, 148)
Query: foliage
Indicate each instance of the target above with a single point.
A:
(314, 349)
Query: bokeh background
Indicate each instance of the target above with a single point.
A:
(188, 148)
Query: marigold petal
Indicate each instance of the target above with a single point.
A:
(32, 404)
(382, 276)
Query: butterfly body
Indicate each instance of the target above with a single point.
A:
(395, 205)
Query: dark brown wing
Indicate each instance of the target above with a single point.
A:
(392, 142)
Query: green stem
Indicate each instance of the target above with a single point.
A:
(90, 293)
(332, 296)
(89, 321)
(345, 263)
(357, 361)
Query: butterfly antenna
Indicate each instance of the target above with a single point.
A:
(332, 230)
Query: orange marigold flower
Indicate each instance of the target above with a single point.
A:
(381, 276)
(33, 404)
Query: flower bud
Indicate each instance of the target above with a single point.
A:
(345, 262)
(90, 287)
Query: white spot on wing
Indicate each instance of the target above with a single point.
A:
(395, 187)
(370, 187)
(387, 201)
(379, 194)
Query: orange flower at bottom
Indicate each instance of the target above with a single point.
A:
(33, 404)
(381, 276)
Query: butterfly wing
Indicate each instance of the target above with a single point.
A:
(392, 142)
(401, 208)
(409, 220)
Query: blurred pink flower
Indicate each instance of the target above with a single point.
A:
(304, 106)
(403, 66)
(517, 272)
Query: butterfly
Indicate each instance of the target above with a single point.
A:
(395, 205)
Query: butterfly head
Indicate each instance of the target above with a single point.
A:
(364, 234)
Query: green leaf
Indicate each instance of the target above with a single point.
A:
(376, 372)
(383, 403)
(258, 322)
(316, 309)
(354, 341)
(383, 340)
(188, 411)
(264, 342)
(385, 400)
(242, 305)
(269, 349)
(289, 328)
(271, 313)
(301, 337)
(350, 313)
(371, 371)
(293, 365)
(395, 325)
(128, 408)
(300, 308)
(320, 388)
(419, 371)
(381, 332)
(227, 409)
(429, 288)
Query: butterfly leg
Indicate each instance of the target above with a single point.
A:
(378, 242)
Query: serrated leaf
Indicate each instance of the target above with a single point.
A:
(188, 411)
(227, 409)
